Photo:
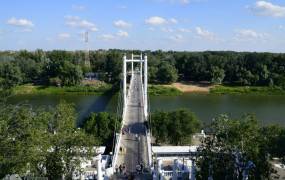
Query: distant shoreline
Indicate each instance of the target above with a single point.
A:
(175, 89)
(43, 90)
(203, 88)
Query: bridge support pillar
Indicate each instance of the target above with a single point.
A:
(145, 87)
(132, 64)
(125, 81)
(141, 67)
(175, 169)
(99, 168)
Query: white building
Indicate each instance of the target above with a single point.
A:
(174, 162)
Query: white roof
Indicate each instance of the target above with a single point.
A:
(173, 149)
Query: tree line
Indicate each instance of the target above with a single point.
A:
(67, 67)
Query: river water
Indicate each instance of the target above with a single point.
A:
(268, 109)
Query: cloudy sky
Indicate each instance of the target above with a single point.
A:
(192, 25)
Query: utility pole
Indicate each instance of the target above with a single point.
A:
(86, 40)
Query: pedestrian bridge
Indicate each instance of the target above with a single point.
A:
(133, 142)
(132, 150)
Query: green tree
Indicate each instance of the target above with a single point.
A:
(166, 73)
(175, 127)
(102, 126)
(44, 143)
(228, 138)
(66, 143)
(10, 75)
(217, 74)
(70, 74)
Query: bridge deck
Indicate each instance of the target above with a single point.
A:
(133, 142)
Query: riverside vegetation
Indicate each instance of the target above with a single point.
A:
(66, 68)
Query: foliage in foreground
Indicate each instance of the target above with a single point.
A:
(175, 127)
(102, 126)
(43, 143)
(239, 146)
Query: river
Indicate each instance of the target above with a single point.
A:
(268, 109)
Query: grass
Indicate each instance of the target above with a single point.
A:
(258, 90)
(32, 89)
(160, 90)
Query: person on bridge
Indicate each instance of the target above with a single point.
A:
(116, 168)
(141, 165)
(121, 169)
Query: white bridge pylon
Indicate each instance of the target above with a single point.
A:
(143, 74)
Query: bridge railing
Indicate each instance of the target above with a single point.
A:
(147, 131)
(118, 139)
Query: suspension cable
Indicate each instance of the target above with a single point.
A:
(118, 115)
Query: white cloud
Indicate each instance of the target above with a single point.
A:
(123, 34)
(156, 20)
(205, 34)
(63, 36)
(249, 35)
(20, 22)
(185, 1)
(107, 37)
(167, 30)
(265, 8)
(78, 7)
(75, 21)
(173, 20)
(184, 30)
(122, 24)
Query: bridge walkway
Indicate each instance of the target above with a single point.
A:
(133, 146)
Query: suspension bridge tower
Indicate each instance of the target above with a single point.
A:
(142, 60)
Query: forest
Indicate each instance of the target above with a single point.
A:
(66, 68)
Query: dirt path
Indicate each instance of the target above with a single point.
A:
(188, 87)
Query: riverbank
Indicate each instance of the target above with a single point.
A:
(256, 90)
(175, 89)
(97, 89)
(185, 87)
(163, 90)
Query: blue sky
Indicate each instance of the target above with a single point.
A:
(191, 25)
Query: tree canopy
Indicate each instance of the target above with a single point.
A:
(175, 127)
(238, 146)
(44, 143)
